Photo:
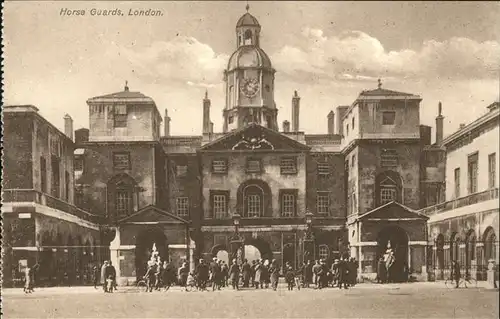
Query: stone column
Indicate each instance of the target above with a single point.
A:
(490, 277)
(114, 253)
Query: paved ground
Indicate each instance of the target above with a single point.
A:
(418, 300)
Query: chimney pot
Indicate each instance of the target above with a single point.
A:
(286, 126)
(295, 111)
(206, 114)
(331, 122)
(167, 124)
(439, 124)
(68, 126)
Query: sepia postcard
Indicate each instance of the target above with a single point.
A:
(250, 159)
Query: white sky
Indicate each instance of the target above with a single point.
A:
(328, 51)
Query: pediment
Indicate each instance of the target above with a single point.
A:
(152, 214)
(393, 211)
(254, 137)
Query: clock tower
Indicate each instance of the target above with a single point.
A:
(249, 80)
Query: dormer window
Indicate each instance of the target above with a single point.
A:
(120, 116)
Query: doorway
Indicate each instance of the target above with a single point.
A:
(396, 239)
(145, 242)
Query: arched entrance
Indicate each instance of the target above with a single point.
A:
(221, 253)
(144, 248)
(257, 248)
(396, 239)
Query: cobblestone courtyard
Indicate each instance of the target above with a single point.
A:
(363, 301)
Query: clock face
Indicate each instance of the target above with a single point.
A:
(249, 87)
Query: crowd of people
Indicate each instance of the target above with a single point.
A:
(259, 274)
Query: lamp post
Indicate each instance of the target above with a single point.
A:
(309, 238)
(236, 241)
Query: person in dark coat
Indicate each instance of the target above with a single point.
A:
(323, 274)
(274, 271)
(258, 274)
(247, 272)
(234, 274)
(342, 274)
(252, 273)
(381, 271)
(289, 276)
(215, 273)
(353, 271)
(224, 272)
(202, 273)
(264, 277)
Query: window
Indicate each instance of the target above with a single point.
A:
(78, 163)
(472, 173)
(56, 178)
(182, 205)
(492, 163)
(323, 252)
(120, 116)
(457, 182)
(121, 160)
(354, 205)
(353, 161)
(288, 165)
(66, 186)
(219, 205)
(253, 208)
(181, 170)
(288, 202)
(322, 203)
(230, 119)
(347, 129)
(253, 166)
(388, 118)
(323, 168)
(123, 202)
(352, 123)
(387, 194)
(388, 158)
(219, 166)
(43, 174)
(253, 197)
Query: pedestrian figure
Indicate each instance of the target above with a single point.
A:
(190, 282)
(247, 272)
(258, 274)
(316, 269)
(381, 271)
(28, 280)
(353, 271)
(252, 273)
(150, 277)
(342, 274)
(215, 274)
(234, 274)
(103, 276)
(455, 272)
(109, 284)
(275, 274)
(95, 275)
(289, 276)
(202, 274)
(224, 273)
(183, 273)
(308, 273)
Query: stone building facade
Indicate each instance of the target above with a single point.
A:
(463, 226)
(40, 222)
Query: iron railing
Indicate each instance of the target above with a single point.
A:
(461, 202)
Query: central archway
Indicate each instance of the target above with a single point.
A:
(257, 248)
(144, 246)
(398, 239)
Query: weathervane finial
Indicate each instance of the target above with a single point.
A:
(379, 83)
(247, 7)
(126, 85)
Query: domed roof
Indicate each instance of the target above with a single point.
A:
(247, 20)
(249, 56)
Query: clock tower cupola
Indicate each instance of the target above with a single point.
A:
(249, 80)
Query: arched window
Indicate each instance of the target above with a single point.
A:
(389, 188)
(121, 195)
(323, 252)
(248, 37)
(254, 199)
(490, 244)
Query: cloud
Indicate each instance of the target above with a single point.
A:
(184, 60)
(357, 56)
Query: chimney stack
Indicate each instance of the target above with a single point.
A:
(439, 124)
(331, 122)
(462, 125)
(68, 126)
(295, 111)
(286, 126)
(341, 110)
(167, 123)
(206, 114)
